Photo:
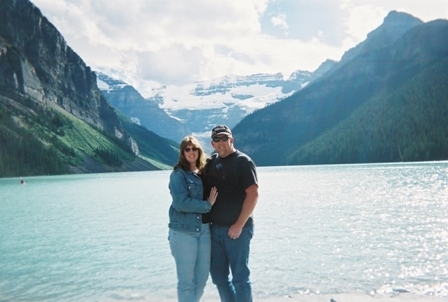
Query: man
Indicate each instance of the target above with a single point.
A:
(234, 174)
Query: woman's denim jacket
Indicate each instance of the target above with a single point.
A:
(187, 207)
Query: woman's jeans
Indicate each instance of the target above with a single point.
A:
(233, 254)
(191, 251)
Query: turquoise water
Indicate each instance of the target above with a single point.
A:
(379, 228)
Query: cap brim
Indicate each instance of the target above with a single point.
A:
(221, 133)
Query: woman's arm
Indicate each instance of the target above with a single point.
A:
(182, 202)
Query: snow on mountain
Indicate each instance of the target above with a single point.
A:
(195, 97)
(109, 84)
(226, 100)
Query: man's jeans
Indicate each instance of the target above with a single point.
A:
(234, 254)
(191, 251)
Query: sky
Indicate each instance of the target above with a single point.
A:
(150, 43)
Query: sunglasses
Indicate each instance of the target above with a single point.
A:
(191, 149)
(224, 138)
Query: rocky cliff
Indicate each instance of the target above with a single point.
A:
(53, 117)
(36, 63)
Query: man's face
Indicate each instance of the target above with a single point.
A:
(223, 145)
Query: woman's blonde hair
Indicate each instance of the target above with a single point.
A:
(182, 162)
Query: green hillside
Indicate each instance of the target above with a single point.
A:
(38, 140)
(405, 123)
(160, 152)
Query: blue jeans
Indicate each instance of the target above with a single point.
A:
(191, 252)
(231, 255)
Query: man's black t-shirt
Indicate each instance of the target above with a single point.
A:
(231, 175)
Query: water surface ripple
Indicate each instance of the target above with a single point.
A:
(379, 228)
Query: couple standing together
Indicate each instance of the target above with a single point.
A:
(210, 218)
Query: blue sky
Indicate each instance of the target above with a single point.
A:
(304, 20)
(149, 43)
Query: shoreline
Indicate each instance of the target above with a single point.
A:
(342, 297)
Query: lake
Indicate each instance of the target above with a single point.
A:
(373, 229)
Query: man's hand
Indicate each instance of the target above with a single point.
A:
(248, 207)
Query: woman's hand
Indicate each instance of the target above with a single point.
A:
(212, 197)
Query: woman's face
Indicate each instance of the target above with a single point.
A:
(191, 153)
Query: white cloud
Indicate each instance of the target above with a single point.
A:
(153, 42)
(366, 15)
(427, 10)
(280, 20)
(361, 20)
(175, 63)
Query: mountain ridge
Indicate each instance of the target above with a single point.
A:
(394, 25)
(318, 108)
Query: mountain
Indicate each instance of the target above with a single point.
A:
(53, 117)
(228, 99)
(128, 100)
(386, 104)
(173, 111)
(394, 26)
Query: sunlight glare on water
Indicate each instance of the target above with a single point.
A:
(379, 228)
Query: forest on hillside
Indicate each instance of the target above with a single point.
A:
(23, 153)
(406, 123)
(37, 140)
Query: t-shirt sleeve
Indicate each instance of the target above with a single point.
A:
(248, 173)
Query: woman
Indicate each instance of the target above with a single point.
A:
(189, 231)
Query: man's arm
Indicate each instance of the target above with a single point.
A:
(248, 207)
